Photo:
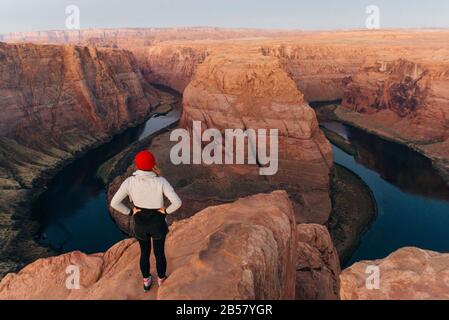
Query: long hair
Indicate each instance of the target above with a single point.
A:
(157, 171)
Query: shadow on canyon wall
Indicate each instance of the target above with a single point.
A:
(397, 164)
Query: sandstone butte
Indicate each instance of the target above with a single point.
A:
(272, 258)
(391, 82)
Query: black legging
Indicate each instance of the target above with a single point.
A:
(159, 253)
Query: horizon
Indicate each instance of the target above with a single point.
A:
(322, 15)
(234, 28)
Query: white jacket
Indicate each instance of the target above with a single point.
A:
(145, 190)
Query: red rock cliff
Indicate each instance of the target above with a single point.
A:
(318, 70)
(241, 90)
(411, 95)
(52, 91)
(56, 102)
(170, 64)
(406, 100)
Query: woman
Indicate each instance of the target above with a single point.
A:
(146, 190)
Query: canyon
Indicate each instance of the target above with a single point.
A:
(57, 102)
(76, 89)
(392, 82)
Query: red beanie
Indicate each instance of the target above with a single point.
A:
(145, 160)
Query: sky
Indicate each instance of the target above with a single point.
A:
(35, 15)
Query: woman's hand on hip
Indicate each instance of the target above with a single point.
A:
(162, 210)
(136, 210)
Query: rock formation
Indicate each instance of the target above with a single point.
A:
(103, 89)
(407, 274)
(317, 264)
(56, 102)
(406, 95)
(403, 100)
(172, 65)
(252, 91)
(319, 70)
(392, 82)
(243, 250)
(388, 84)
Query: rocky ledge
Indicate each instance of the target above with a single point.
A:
(249, 249)
(407, 274)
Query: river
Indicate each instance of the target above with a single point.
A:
(412, 199)
(73, 212)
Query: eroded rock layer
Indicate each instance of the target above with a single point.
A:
(407, 274)
(317, 264)
(172, 65)
(56, 102)
(404, 100)
(252, 91)
(392, 82)
(243, 250)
